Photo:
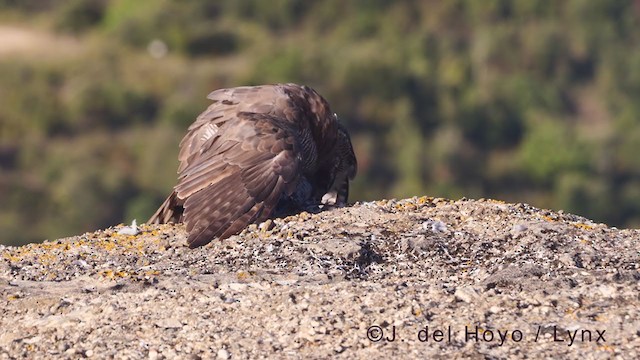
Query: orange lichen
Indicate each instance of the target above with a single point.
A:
(406, 206)
(606, 348)
(550, 219)
(424, 200)
(601, 317)
(114, 274)
(583, 226)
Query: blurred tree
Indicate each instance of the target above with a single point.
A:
(77, 16)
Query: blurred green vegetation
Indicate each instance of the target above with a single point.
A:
(528, 101)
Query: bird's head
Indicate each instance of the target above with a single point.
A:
(348, 163)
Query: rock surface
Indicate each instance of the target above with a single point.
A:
(419, 277)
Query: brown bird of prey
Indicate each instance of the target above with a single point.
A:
(256, 152)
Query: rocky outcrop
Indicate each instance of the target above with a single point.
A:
(416, 277)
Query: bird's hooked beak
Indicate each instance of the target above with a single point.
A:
(345, 170)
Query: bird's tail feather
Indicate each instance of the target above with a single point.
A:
(170, 211)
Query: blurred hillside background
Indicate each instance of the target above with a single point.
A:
(528, 101)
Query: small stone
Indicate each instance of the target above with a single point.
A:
(33, 340)
(286, 282)
(223, 354)
(170, 323)
(153, 355)
(466, 294)
(267, 225)
(237, 286)
(607, 291)
(81, 263)
(434, 226)
(518, 228)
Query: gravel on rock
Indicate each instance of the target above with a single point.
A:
(419, 277)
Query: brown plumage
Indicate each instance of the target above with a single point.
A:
(255, 151)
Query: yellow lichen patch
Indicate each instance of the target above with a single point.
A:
(571, 313)
(606, 348)
(114, 274)
(47, 259)
(304, 215)
(406, 206)
(11, 258)
(583, 226)
(480, 329)
(50, 276)
(119, 242)
(425, 199)
(106, 273)
(244, 275)
(105, 244)
(12, 297)
(548, 218)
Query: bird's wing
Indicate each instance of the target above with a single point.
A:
(237, 175)
(227, 104)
